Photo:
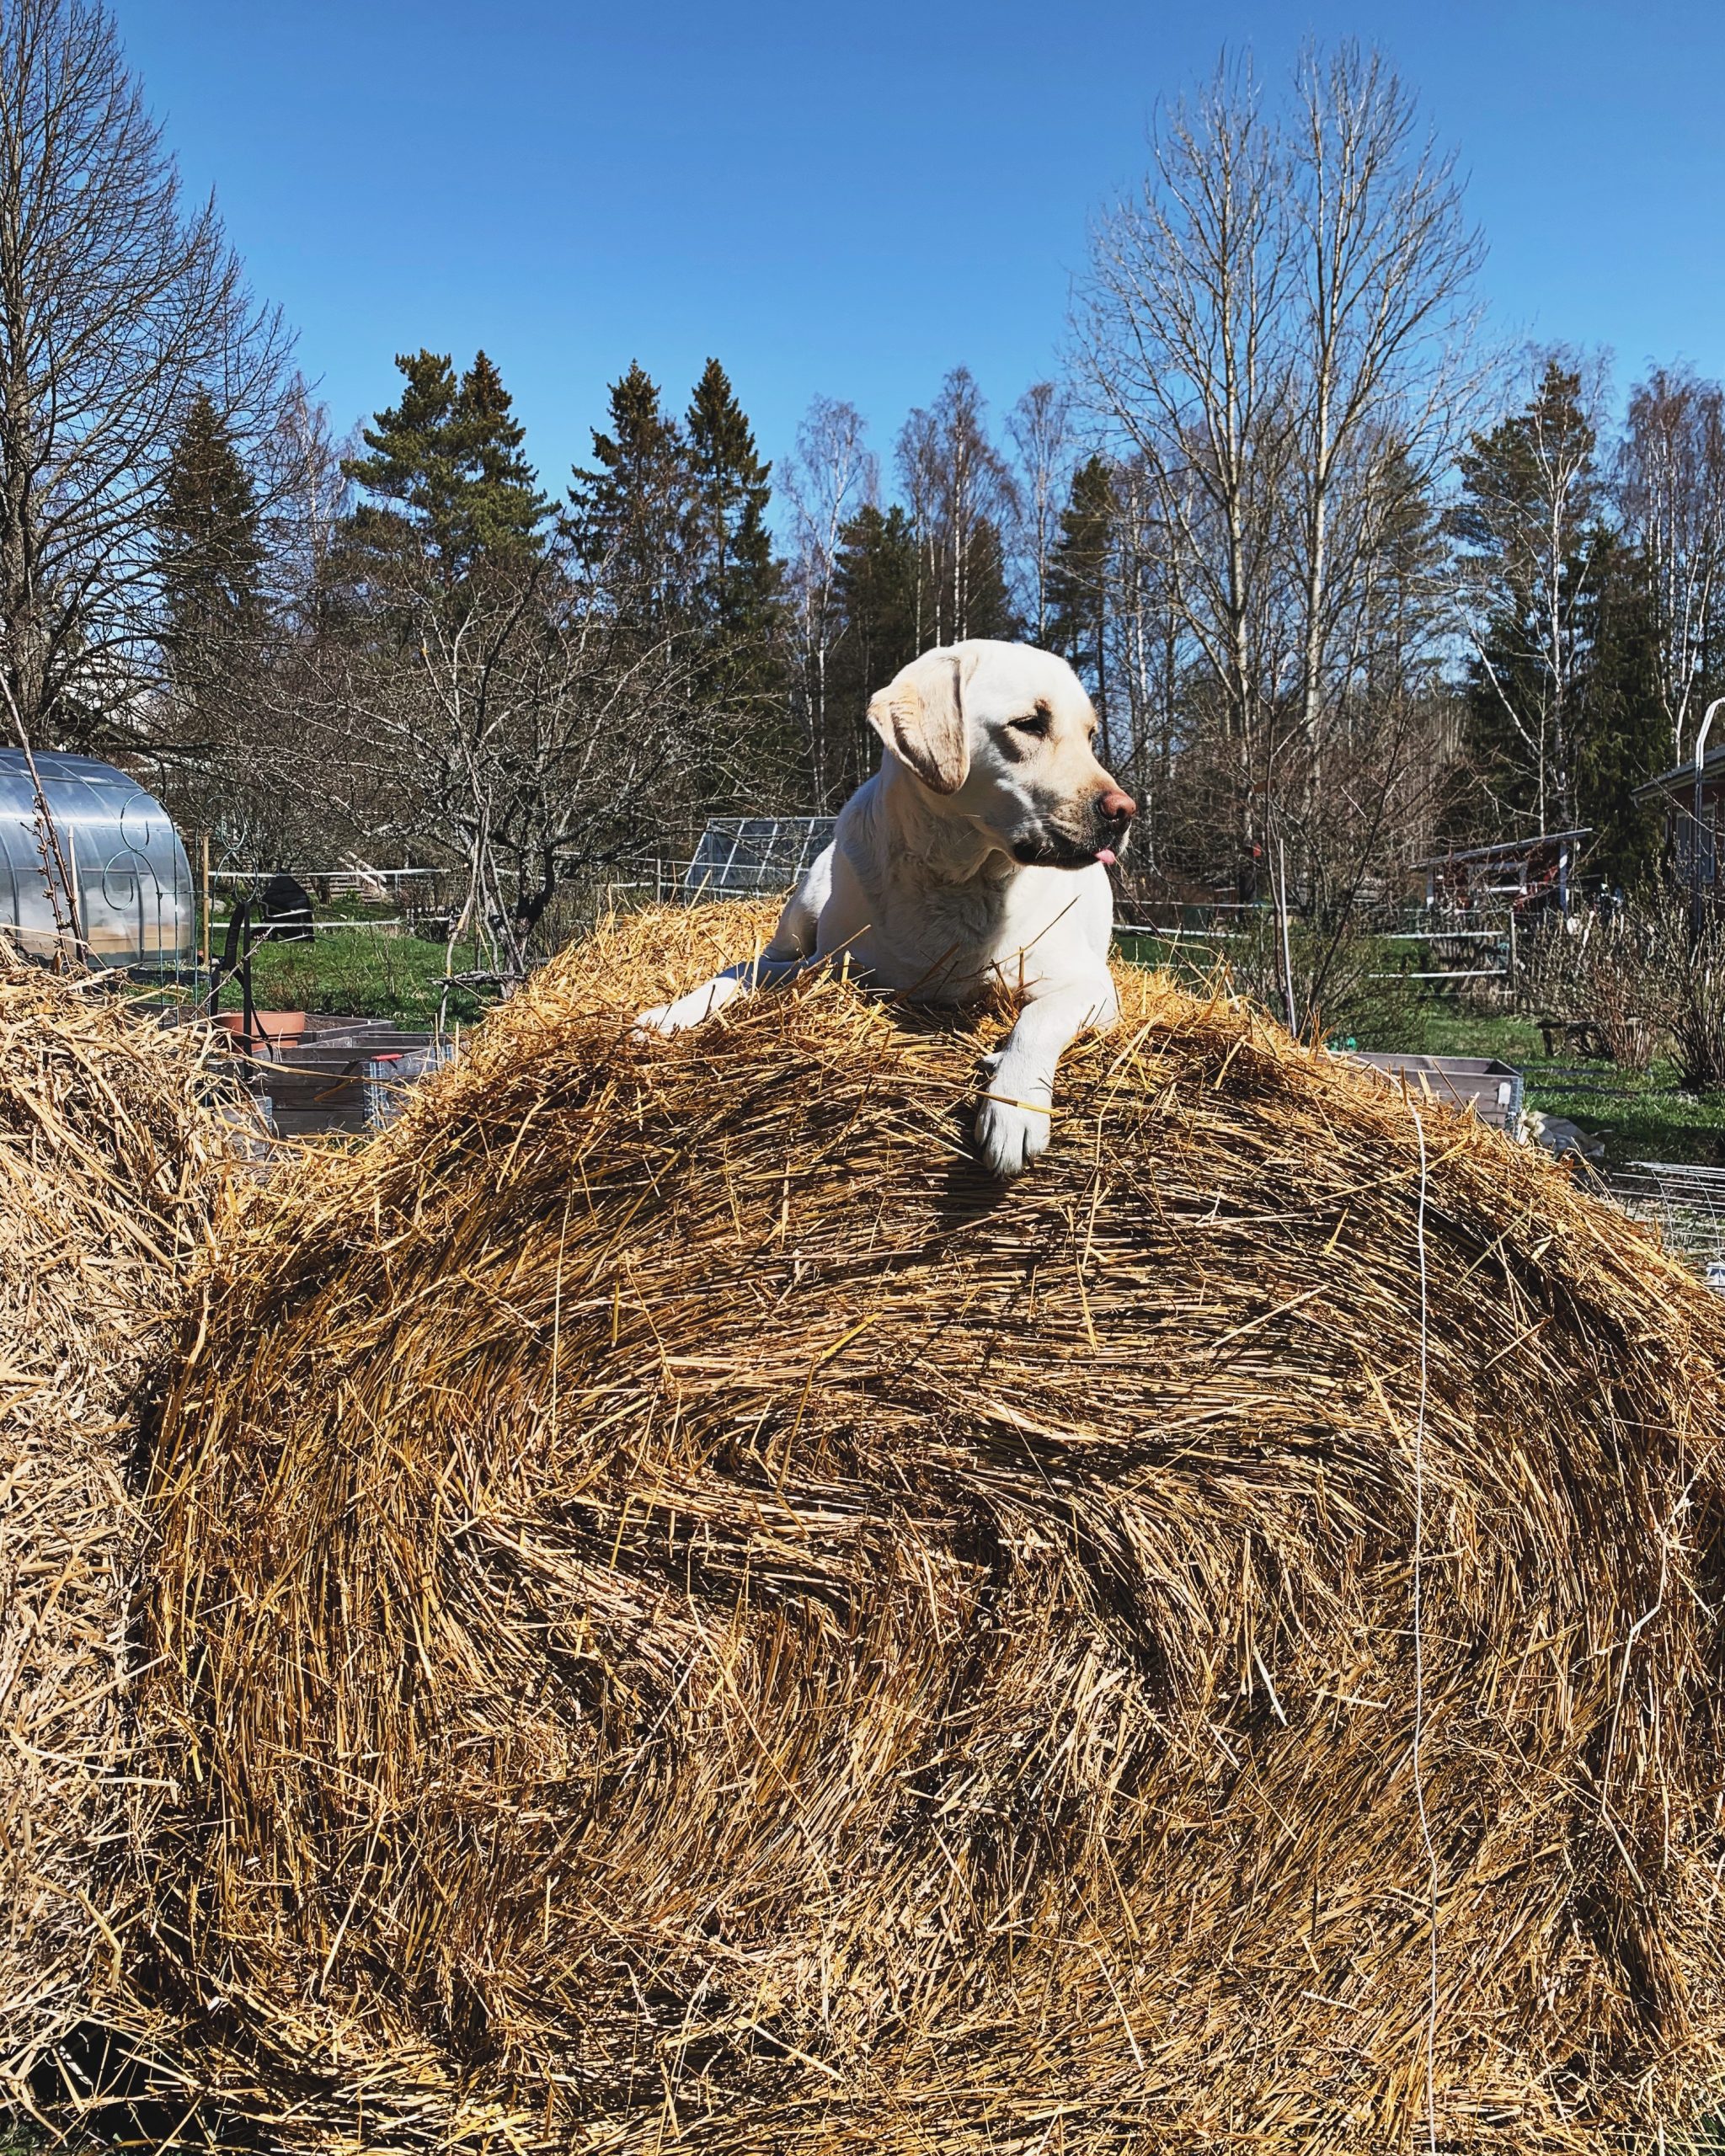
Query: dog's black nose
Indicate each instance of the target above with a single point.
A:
(1116, 807)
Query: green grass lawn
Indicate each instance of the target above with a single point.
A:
(1640, 1115)
(359, 971)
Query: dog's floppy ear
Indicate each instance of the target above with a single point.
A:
(920, 718)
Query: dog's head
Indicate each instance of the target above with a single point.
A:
(1000, 735)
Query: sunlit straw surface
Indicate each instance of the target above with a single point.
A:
(688, 1619)
(111, 1170)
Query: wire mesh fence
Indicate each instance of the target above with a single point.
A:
(1685, 1202)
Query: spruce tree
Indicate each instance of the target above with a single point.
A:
(745, 678)
(1527, 518)
(988, 603)
(875, 575)
(1407, 609)
(210, 560)
(1078, 574)
(1565, 714)
(410, 474)
(208, 545)
(631, 516)
(500, 510)
(1623, 736)
(735, 577)
(448, 473)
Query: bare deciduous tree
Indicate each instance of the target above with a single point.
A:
(830, 474)
(116, 306)
(1381, 338)
(305, 495)
(1275, 331)
(1040, 425)
(523, 729)
(963, 502)
(1149, 662)
(1182, 350)
(1671, 491)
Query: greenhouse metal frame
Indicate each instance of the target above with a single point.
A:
(754, 856)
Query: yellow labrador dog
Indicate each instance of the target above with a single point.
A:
(975, 858)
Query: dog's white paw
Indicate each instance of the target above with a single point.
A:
(1009, 1136)
(665, 1019)
(654, 1025)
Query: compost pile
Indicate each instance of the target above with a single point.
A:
(111, 1170)
(689, 1618)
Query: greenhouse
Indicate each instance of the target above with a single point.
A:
(753, 856)
(121, 855)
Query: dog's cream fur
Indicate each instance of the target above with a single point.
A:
(974, 859)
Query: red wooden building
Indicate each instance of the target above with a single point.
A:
(1521, 875)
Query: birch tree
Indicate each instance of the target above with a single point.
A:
(1180, 331)
(1275, 331)
(1040, 429)
(1144, 623)
(963, 502)
(1671, 491)
(1381, 335)
(831, 475)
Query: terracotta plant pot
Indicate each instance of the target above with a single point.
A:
(275, 1028)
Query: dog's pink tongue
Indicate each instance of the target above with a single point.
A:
(1105, 858)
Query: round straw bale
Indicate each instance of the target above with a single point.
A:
(109, 1168)
(689, 1617)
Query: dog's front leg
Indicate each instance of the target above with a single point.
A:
(764, 972)
(793, 946)
(1015, 1119)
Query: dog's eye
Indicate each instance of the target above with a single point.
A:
(1036, 726)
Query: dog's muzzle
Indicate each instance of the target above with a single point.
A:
(1055, 846)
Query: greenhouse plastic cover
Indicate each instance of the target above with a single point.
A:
(124, 858)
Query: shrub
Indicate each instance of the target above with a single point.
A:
(1601, 970)
(1685, 980)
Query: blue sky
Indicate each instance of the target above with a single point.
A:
(852, 199)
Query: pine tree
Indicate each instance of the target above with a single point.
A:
(447, 473)
(210, 559)
(631, 516)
